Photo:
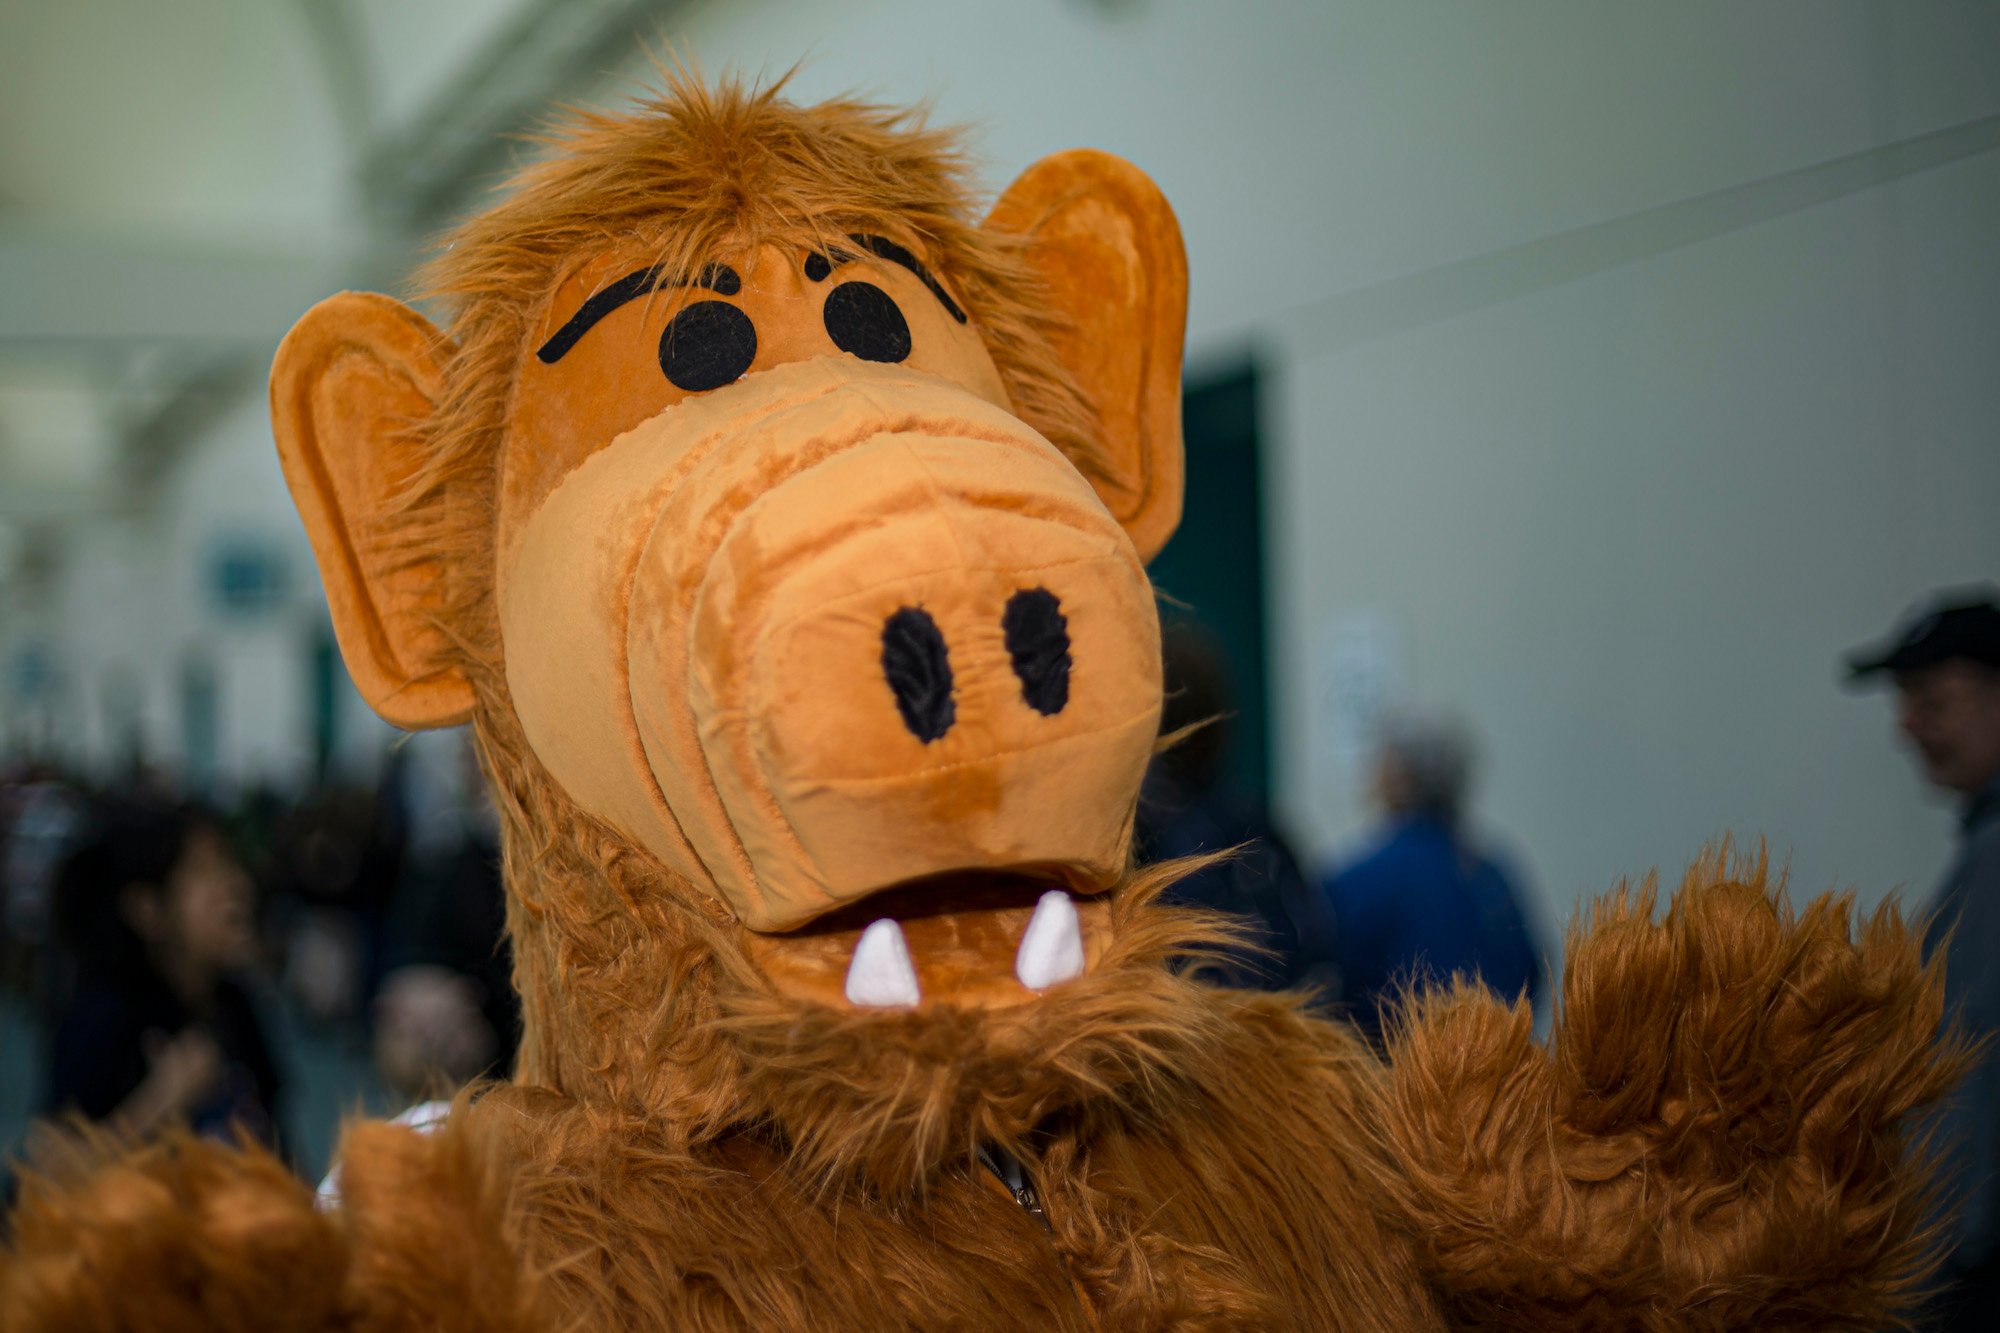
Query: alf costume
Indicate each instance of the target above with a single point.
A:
(782, 532)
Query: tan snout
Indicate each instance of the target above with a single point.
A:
(837, 627)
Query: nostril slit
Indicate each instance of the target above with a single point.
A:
(918, 668)
(1038, 641)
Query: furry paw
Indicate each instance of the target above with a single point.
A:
(184, 1234)
(1717, 1136)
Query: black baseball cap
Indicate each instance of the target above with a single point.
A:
(1958, 622)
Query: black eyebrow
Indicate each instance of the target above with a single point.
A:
(718, 278)
(884, 248)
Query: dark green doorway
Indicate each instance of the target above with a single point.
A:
(1212, 572)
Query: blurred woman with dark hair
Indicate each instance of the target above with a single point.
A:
(158, 915)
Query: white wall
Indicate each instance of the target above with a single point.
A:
(1626, 513)
(135, 599)
(179, 119)
(1628, 523)
(230, 489)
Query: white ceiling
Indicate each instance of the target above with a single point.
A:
(178, 181)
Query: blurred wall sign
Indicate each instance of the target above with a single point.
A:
(247, 577)
(32, 671)
(1359, 681)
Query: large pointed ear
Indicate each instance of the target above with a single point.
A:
(1104, 241)
(352, 386)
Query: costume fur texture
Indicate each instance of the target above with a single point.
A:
(1718, 1133)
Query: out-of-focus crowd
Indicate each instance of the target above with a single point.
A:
(158, 941)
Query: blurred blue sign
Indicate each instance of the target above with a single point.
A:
(32, 671)
(247, 577)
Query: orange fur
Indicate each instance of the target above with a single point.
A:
(695, 172)
(1717, 1135)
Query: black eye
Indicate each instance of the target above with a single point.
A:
(863, 319)
(707, 345)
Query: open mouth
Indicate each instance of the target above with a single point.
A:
(980, 938)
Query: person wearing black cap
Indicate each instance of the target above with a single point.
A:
(1945, 663)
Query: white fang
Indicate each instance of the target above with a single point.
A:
(881, 977)
(1052, 945)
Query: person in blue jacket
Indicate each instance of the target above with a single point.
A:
(1424, 901)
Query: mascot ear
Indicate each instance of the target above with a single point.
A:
(353, 385)
(1104, 241)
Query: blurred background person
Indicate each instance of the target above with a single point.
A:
(154, 1023)
(338, 854)
(1945, 663)
(41, 816)
(1425, 900)
(1184, 810)
(446, 1011)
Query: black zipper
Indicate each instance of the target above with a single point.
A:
(1007, 1169)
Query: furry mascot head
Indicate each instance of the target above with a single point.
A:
(782, 531)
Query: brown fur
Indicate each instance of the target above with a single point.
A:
(694, 173)
(180, 1235)
(1716, 1137)
(1743, 1165)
